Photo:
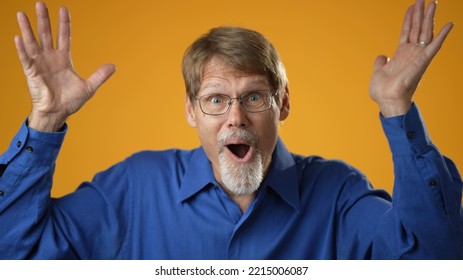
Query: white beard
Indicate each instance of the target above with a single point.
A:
(241, 178)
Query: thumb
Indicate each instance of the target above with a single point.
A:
(100, 76)
(380, 61)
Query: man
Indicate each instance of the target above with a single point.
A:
(242, 194)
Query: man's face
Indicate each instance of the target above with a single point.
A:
(238, 144)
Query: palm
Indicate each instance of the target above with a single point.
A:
(56, 90)
(400, 76)
(54, 85)
(394, 82)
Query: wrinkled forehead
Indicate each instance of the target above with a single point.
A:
(219, 71)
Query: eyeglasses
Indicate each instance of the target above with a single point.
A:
(217, 104)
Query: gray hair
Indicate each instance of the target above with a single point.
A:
(244, 49)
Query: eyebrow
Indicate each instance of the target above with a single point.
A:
(259, 81)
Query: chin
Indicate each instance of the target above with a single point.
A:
(241, 178)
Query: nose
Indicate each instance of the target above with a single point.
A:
(237, 116)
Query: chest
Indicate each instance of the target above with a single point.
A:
(211, 226)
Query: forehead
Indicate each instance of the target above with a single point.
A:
(218, 73)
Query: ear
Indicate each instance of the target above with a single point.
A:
(190, 112)
(285, 105)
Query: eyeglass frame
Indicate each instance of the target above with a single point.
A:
(271, 95)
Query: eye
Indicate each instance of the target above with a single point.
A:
(215, 99)
(254, 97)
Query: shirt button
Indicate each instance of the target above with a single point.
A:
(2, 192)
(410, 134)
(18, 144)
(29, 149)
(432, 182)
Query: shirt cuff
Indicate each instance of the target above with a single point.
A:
(406, 134)
(32, 146)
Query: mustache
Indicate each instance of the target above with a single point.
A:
(241, 134)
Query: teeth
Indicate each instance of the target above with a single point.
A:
(240, 150)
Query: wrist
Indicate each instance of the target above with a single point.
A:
(393, 109)
(45, 122)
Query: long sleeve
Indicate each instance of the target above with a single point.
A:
(118, 214)
(26, 173)
(425, 221)
(90, 223)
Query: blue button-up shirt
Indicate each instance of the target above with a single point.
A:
(168, 205)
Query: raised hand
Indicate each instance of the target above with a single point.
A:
(394, 81)
(56, 90)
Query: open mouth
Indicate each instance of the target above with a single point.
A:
(239, 150)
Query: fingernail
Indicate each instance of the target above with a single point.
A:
(41, 4)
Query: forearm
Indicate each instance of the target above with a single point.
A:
(427, 192)
(25, 182)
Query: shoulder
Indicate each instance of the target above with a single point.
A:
(161, 156)
(334, 182)
(150, 162)
(162, 160)
(330, 177)
(333, 168)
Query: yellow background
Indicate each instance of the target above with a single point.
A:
(328, 48)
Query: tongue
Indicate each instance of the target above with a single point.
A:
(240, 150)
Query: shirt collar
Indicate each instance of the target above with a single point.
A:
(198, 175)
(281, 178)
